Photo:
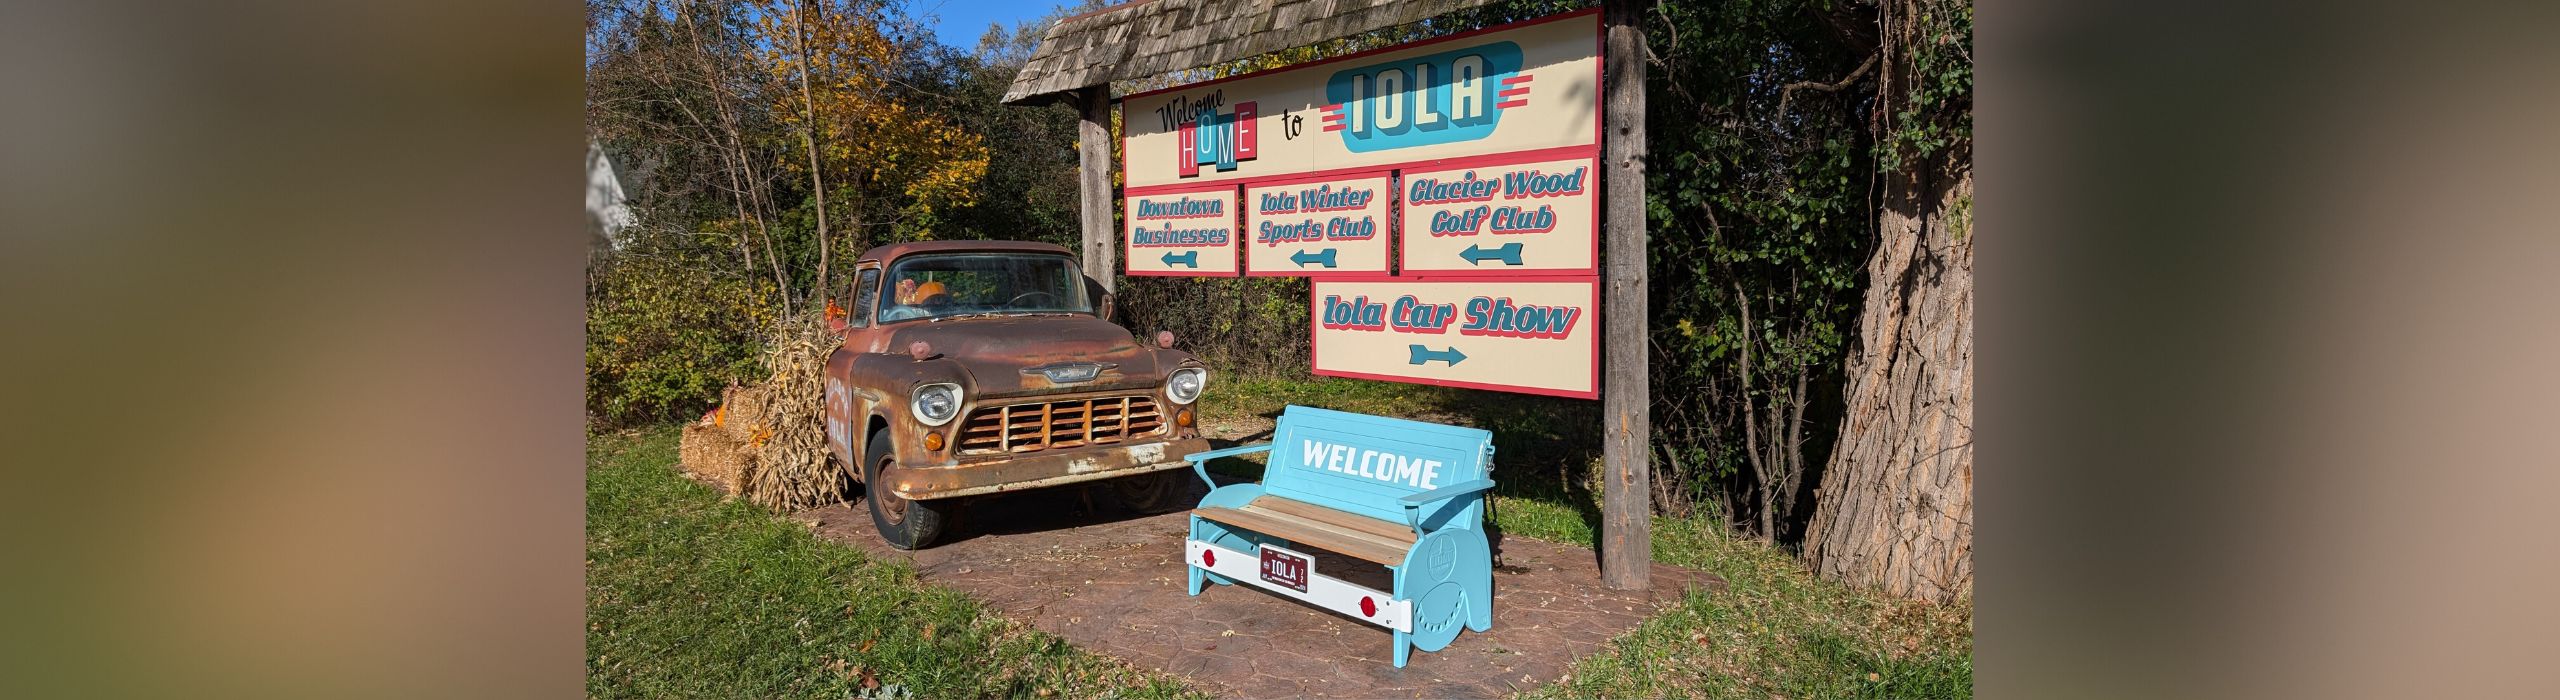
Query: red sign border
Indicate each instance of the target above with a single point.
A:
(1235, 232)
(1394, 237)
(1315, 322)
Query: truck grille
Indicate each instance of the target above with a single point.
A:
(1031, 427)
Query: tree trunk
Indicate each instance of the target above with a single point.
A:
(1895, 511)
(809, 140)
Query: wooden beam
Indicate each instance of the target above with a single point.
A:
(1093, 174)
(1626, 521)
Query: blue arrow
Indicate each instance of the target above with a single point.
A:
(1304, 257)
(1423, 354)
(1190, 259)
(1508, 253)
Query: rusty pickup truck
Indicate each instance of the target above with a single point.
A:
(978, 367)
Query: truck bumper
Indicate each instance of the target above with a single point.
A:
(1039, 470)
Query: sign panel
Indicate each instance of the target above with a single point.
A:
(1502, 219)
(1181, 234)
(1523, 87)
(1536, 336)
(1318, 228)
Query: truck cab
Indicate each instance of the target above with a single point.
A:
(979, 367)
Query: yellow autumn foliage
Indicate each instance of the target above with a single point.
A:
(869, 143)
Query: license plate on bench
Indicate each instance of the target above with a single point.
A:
(1286, 568)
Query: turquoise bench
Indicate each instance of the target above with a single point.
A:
(1404, 494)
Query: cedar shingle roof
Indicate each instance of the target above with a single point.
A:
(1145, 38)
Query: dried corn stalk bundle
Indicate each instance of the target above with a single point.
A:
(791, 469)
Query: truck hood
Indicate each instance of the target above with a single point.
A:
(995, 350)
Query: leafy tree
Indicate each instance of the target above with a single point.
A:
(1758, 183)
(741, 168)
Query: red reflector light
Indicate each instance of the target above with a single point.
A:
(1368, 607)
(1208, 558)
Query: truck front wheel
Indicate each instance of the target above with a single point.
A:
(1149, 493)
(904, 524)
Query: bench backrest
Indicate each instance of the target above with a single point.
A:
(1361, 463)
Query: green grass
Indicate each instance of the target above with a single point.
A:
(1775, 631)
(690, 596)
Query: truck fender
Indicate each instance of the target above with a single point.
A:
(874, 387)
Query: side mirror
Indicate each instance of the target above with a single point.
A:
(1093, 289)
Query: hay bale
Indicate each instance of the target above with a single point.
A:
(790, 468)
(742, 413)
(711, 456)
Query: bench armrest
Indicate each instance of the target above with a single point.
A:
(1413, 503)
(1445, 493)
(1200, 460)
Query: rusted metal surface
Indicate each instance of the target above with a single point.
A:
(1047, 399)
(1073, 422)
(1051, 468)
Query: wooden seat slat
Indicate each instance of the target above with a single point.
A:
(1313, 534)
(1397, 532)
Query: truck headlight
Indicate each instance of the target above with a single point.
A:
(1185, 384)
(936, 404)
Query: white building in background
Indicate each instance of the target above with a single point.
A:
(608, 211)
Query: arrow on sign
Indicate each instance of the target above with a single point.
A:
(1190, 259)
(1508, 253)
(1422, 354)
(1304, 257)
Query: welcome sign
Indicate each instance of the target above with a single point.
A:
(1444, 193)
(1536, 336)
(1183, 233)
(1526, 87)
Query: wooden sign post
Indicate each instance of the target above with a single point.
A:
(1626, 424)
(1093, 186)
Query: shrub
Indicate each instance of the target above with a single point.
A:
(667, 328)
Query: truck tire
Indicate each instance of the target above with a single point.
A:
(904, 524)
(1148, 493)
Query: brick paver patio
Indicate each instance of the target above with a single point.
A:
(1114, 583)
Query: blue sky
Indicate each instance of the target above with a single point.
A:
(959, 23)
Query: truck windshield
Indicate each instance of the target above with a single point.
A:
(956, 284)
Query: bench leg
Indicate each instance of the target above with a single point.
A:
(1404, 648)
(1478, 579)
(1480, 607)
